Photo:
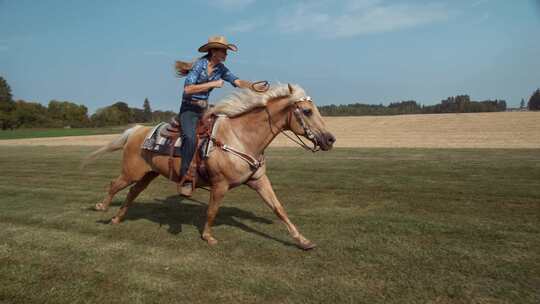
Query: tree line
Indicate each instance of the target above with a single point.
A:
(456, 104)
(61, 114)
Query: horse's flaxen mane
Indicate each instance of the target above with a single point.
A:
(245, 100)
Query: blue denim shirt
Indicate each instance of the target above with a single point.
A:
(199, 74)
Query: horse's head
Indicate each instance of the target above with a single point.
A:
(305, 120)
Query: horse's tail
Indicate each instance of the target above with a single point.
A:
(117, 144)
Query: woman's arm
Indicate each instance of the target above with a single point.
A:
(191, 86)
(203, 87)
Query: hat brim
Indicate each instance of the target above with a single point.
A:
(217, 45)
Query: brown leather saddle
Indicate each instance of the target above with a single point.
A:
(172, 130)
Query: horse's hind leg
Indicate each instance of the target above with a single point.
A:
(132, 195)
(120, 183)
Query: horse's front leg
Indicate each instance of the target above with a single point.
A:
(216, 196)
(264, 188)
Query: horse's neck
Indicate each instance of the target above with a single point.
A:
(256, 131)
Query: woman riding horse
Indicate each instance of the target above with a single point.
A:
(249, 120)
(206, 74)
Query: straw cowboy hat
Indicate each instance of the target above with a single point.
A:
(217, 42)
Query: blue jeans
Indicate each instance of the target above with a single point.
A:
(188, 121)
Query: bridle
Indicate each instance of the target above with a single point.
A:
(300, 118)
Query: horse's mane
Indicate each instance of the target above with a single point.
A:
(245, 100)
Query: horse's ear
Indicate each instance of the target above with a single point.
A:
(290, 88)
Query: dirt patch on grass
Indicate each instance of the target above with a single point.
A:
(467, 130)
(87, 140)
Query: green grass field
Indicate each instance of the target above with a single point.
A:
(57, 132)
(392, 225)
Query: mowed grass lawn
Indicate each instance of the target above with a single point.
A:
(392, 226)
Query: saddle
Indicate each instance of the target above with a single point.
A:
(172, 129)
(165, 139)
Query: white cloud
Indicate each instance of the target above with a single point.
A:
(358, 17)
(304, 16)
(231, 4)
(244, 26)
(479, 2)
(361, 4)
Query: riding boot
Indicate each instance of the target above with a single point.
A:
(186, 189)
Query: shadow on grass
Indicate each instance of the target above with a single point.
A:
(175, 211)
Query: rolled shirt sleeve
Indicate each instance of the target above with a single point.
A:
(228, 76)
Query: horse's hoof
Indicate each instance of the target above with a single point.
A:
(100, 207)
(307, 245)
(115, 220)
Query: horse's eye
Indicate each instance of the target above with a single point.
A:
(307, 112)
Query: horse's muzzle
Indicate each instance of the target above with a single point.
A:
(326, 141)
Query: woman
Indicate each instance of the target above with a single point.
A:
(206, 74)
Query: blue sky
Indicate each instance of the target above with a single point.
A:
(371, 51)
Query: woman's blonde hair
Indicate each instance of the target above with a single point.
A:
(182, 68)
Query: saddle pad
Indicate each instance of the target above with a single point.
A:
(156, 143)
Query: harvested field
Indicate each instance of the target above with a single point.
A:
(468, 130)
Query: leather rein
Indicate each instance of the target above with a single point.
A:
(260, 86)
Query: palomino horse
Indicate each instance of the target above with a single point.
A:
(252, 121)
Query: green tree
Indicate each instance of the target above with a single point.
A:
(534, 101)
(162, 115)
(65, 113)
(147, 111)
(125, 113)
(116, 114)
(138, 115)
(522, 104)
(501, 105)
(30, 115)
(7, 105)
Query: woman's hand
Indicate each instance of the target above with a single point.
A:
(217, 83)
